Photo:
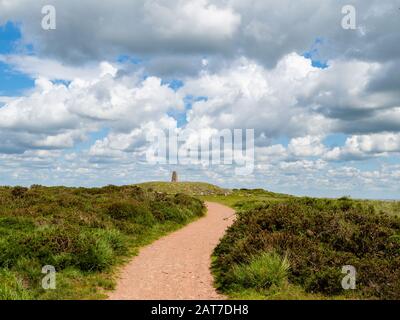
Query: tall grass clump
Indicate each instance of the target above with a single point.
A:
(262, 272)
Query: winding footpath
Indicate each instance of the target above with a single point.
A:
(177, 266)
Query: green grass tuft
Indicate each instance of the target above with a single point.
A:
(262, 272)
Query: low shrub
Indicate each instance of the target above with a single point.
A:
(80, 229)
(319, 236)
(93, 252)
(19, 192)
(131, 210)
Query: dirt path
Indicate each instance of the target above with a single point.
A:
(177, 266)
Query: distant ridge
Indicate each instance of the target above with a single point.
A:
(190, 188)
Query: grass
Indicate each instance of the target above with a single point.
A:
(189, 188)
(86, 234)
(261, 271)
(315, 238)
(242, 199)
(245, 199)
(280, 247)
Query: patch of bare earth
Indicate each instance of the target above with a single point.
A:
(177, 266)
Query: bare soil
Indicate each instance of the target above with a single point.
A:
(177, 266)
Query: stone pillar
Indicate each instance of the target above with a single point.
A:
(174, 177)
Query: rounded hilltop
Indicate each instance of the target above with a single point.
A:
(190, 188)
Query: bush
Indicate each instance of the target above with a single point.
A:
(19, 192)
(41, 245)
(81, 229)
(138, 193)
(167, 212)
(192, 204)
(88, 250)
(328, 281)
(93, 253)
(262, 271)
(115, 239)
(319, 236)
(131, 210)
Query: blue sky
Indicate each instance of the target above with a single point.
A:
(76, 102)
(10, 34)
(314, 54)
(12, 82)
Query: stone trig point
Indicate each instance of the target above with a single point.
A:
(174, 177)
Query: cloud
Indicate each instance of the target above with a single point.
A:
(307, 146)
(386, 81)
(294, 99)
(58, 115)
(51, 69)
(365, 146)
(191, 20)
(132, 144)
(298, 166)
(139, 28)
(221, 29)
(246, 95)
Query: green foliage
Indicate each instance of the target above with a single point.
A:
(19, 192)
(262, 271)
(164, 211)
(11, 287)
(131, 210)
(82, 232)
(93, 253)
(188, 188)
(319, 236)
(245, 199)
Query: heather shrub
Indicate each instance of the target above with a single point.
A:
(319, 236)
(131, 210)
(19, 192)
(82, 232)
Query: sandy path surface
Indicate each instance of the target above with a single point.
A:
(177, 266)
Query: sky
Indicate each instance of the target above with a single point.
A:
(77, 102)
